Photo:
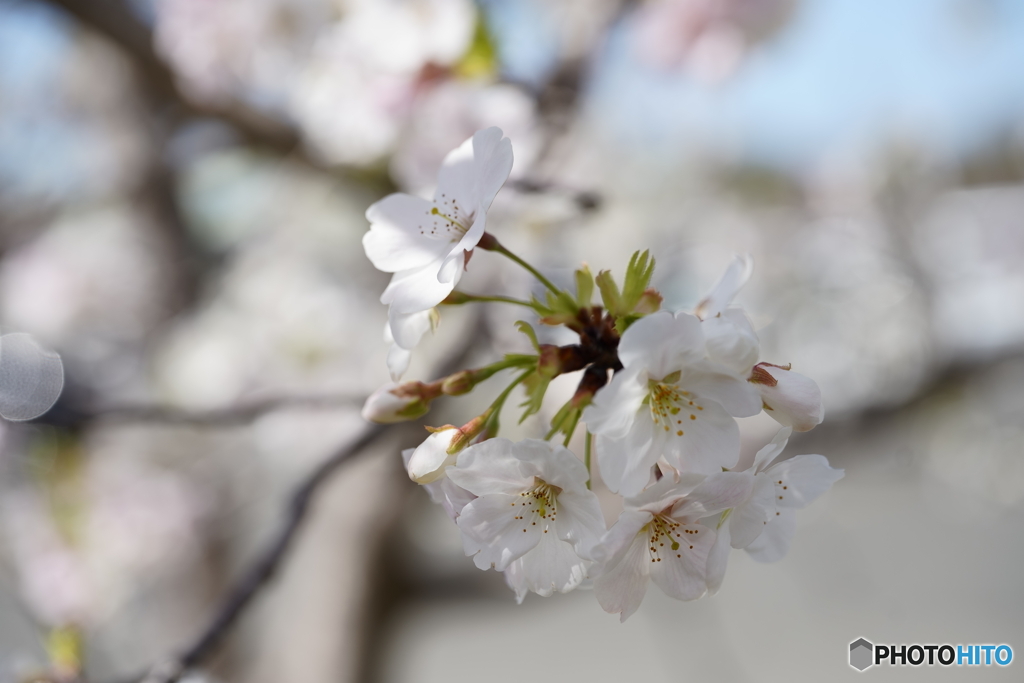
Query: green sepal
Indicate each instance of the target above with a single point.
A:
(557, 309)
(610, 295)
(527, 329)
(536, 385)
(565, 420)
(584, 287)
(638, 279)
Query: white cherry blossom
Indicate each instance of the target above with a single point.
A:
(793, 400)
(534, 517)
(426, 243)
(765, 522)
(659, 537)
(669, 401)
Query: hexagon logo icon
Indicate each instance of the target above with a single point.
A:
(861, 654)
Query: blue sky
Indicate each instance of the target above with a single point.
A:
(842, 75)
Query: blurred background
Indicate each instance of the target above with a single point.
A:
(182, 188)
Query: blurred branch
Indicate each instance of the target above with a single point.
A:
(263, 568)
(223, 417)
(267, 563)
(585, 200)
(115, 20)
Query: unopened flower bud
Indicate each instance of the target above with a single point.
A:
(399, 402)
(442, 447)
(460, 383)
(429, 460)
(789, 398)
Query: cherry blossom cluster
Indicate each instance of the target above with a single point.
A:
(658, 399)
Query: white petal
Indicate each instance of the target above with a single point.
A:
(666, 492)
(428, 462)
(491, 521)
(408, 328)
(396, 240)
(803, 478)
(551, 566)
(721, 295)
(682, 573)
(625, 464)
(616, 405)
(710, 439)
(622, 584)
(747, 521)
(662, 343)
(773, 543)
(417, 289)
(580, 521)
(717, 383)
(795, 401)
(618, 539)
(490, 467)
(476, 170)
(398, 361)
(767, 455)
(450, 496)
(553, 463)
(718, 559)
(717, 492)
(732, 341)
